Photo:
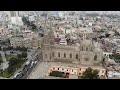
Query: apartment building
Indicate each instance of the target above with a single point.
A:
(31, 42)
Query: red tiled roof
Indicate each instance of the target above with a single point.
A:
(57, 39)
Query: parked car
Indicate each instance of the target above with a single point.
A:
(16, 75)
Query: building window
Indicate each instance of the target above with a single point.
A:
(62, 69)
(53, 54)
(45, 56)
(80, 68)
(82, 48)
(95, 57)
(72, 70)
(76, 56)
(67, 69)
(53, 68)
(79, 73)
(58, 68)
(87, 49)
(58, 54)
(70, 55)
(103, 71)
(64, 55)
(86, 59)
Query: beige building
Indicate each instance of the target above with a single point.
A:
(76, 70)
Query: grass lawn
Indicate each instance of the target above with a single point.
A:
(8, 56)
(6, 74)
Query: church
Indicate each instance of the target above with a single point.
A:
(86, 53)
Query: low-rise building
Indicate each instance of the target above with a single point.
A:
(76, 70)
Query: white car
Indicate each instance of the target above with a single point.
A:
(35, 62)
(31, 64)
(16, 75)
(27, 62)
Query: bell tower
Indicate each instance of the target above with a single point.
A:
(14, 13)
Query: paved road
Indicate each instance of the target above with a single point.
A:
(5, 63)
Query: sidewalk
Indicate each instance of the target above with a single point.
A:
(5, 63)
(34, 69)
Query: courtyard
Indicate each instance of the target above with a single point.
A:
(42, 69)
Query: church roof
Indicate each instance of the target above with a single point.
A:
(86, 42)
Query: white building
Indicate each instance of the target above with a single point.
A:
(31, 18)
(113, 74)
(17, 21)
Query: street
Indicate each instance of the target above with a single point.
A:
(27, 69)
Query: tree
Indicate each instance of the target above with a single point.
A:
(19, 56)
(90, 74)
(24, 55)
(9, 48)
(13, 61)
(1, 61)
(0, 48)
(8, 40)
(115, 56)
(56, 73)
(10, 69)
(24, 49)
(4, 49)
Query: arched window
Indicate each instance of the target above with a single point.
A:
(53, 54)
(64, 55)
(95, 57)
(76, 56)
(87, 49)
(45, 56)
(86, 59)
(70, 55)
(82, 48)
(59, 54)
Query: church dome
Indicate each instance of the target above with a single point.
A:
(86, 42)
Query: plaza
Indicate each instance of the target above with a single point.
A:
(43, 69)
